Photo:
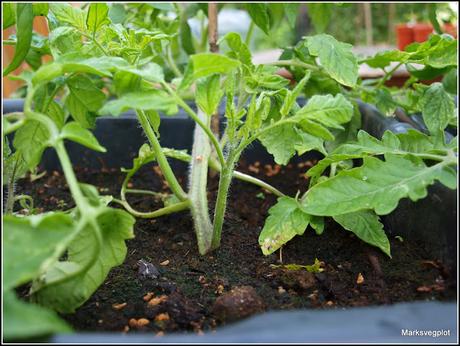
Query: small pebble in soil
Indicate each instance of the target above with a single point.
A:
(164, 263)
(119, 306)
(360, 279)
(162, 317)
(137, 324)
(148, 296)
(240, 302)
(147, 270)
(157, 300)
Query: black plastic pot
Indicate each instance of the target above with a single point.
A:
(122, 137)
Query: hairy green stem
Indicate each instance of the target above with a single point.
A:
(201, 152)
(157, 213)
(221, 201)
(71, 179)
(161, 158)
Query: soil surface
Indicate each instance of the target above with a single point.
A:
(198, 293)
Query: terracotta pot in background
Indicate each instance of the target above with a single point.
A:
(404, 35)
(450, 29)
(422, 32)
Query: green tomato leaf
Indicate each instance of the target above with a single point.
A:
(238, 48)
(291, 10)
(84, 100)
(328, 110)
(75, 132)
(22, 321)
(8, 14)
(437, 108)
(41, 233)
(281, 142)
(65, 296)
(320, 15)
(68, 14)
(259, 15)
(40, 9)
(206, 64)
(24, 21)
(186, 37)
(286, 220)
(209, 93)
(366, 226)
(98, 16)
(377, 185)
(144, 100)
(317, 223)
(30, 141)
(399, 144)
(117, 13)
(291, 97)
(336, 57)
(450, 81)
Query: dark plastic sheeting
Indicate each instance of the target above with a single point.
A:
(432, 220)
(377, 324)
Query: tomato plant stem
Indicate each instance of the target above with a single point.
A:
(161, 158)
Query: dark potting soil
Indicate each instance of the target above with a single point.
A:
(198, 293)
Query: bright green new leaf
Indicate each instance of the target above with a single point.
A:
(208, 94)
(97, 17)
(377, 185)
(259, 15)
(336, 57)
(29, 242)
(239, 49)
(68, 14)
(286, 220)
(84, 100)
(437, 108)
(291, 97)
(144, 100)
(75, 132)
(366, 226)
(206, 64)
(22, 321)
(24, 24)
